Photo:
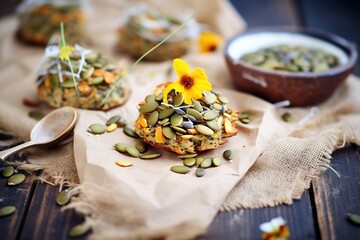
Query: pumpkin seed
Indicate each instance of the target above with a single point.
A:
(200, 172)
(153, 118)
(286, 117)
(131, 133)
(68, 84)
(207, 162)
(166, 113)
(96, 81)
(37, 115)
(150, 98)
(191, 118)
(91, 57)
(210, 115)
(141, 146)
(121, 147)
(149, 155)
(159, 97)
(162, 122)
(245, 120)
(198, 161)
(197, 115)
(354, 218)
(113, 119)
(88, 73)
(216, 161)
(190, 155)
(168, 133)
(16, 179)
(189, 162)
(217, 106)
(111, 127)
(8, 171)
(188, 125)
(176, 120)
(133, 151)
(79, 230)
(148, 107)
(243, 115)
(63, 198)
(7, 210)
(96, 128)
(124, 163)
(228, 126)
(197, 106)
(223, 99)
(227, 154)
(180, 169)
(213, 125)
(204, 130)
(178, 129)
(99, 64)
(178, 100)
(210, 98)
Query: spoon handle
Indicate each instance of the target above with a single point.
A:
(8, 152)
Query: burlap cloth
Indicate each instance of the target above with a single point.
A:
(274, 161)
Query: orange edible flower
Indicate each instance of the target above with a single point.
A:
(209, 42)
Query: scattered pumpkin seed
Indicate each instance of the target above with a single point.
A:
(132, 151)
(7, 210)
(121, 147)
(197, 106)
(204, 130)
(129, 132)
(166, 113)
(159, 97)
(354, 218)
(176, 120)
(8, 171)
(124, 163)
(210, 115)
(148, 107)
(153, 118)
(223, 99)
(190, 155)
(228, 126)
(197, 115)
(97, 128)
(189, 162)
(88, 73)
(79, 230)
(210, 98)
(180, 169)
(207, 162)
(149, 155)
(216, 161)
(217, 106)
(198, 161)
(150, 98)
(68, 84)
(96, 81)
(141, 146)
(113, 119)
(168, 133)
(245, 120)
(111, 127)
(163, 121)
(227, 154)
(243, 115)
(16, 179)
(37, 115)
(63, 198)
(200, 172)
(178, 100)
(286, 117)
(178, 129)
(213, 125)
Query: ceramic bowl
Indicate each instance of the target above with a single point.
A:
(300, 88)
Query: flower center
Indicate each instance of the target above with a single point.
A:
(212, 48)
(187, 82)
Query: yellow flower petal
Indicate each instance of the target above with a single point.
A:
(181, 67)
(201, 79)
(65, 51)
(176, 86)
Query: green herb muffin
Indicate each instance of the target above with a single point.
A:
(186, 116)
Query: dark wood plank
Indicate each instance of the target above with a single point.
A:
(335, 197)
(45, 220)
(244, 223)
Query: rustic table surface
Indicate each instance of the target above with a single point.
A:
(321, 213)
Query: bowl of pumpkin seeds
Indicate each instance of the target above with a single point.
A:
(303, 66)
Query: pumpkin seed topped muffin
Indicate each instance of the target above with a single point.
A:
(186, 116)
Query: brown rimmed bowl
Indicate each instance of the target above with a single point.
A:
(300, 88)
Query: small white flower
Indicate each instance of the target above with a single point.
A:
(272, 225)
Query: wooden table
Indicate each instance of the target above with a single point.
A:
(319, 214)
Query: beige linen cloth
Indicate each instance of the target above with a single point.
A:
(148, 200)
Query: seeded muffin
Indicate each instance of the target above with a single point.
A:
(89, 86)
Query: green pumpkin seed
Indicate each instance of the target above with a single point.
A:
(223, 99)
(99, 64)
(198, 161)
(200, 172)
(97, 128)
(131, 133)
(150, 98)
(204, 130)
(54, 81)
(141, 146)
(245, 120)
(213, 125)
(63, 198)
(113, 119)
(286, 117)
(7, 210)
(197, 115)
(168, 133)
(149, 155)
(217, 106)
(354, 218)
(228, 126)
(189, 162)
(176, 120)
(79, 230)
(37, 115)
(153, 118)
(68, 84)
(227, 154)
(166, 113)
(210, 115)
(190, 155)
(16, 179)
(8, 171)
(159, 97)
(96, 81)
(162, 107)
(207, 162)
(148, 107)
(243, 115)
(178, 129)
(121, 147)
(180, 169)
(132, 151)
(216, 161)
(91, 57)
(178, 100)
(210, 98)
(88, 73)
(197, 106)
(162, 122)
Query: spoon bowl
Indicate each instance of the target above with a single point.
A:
(51, 129)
